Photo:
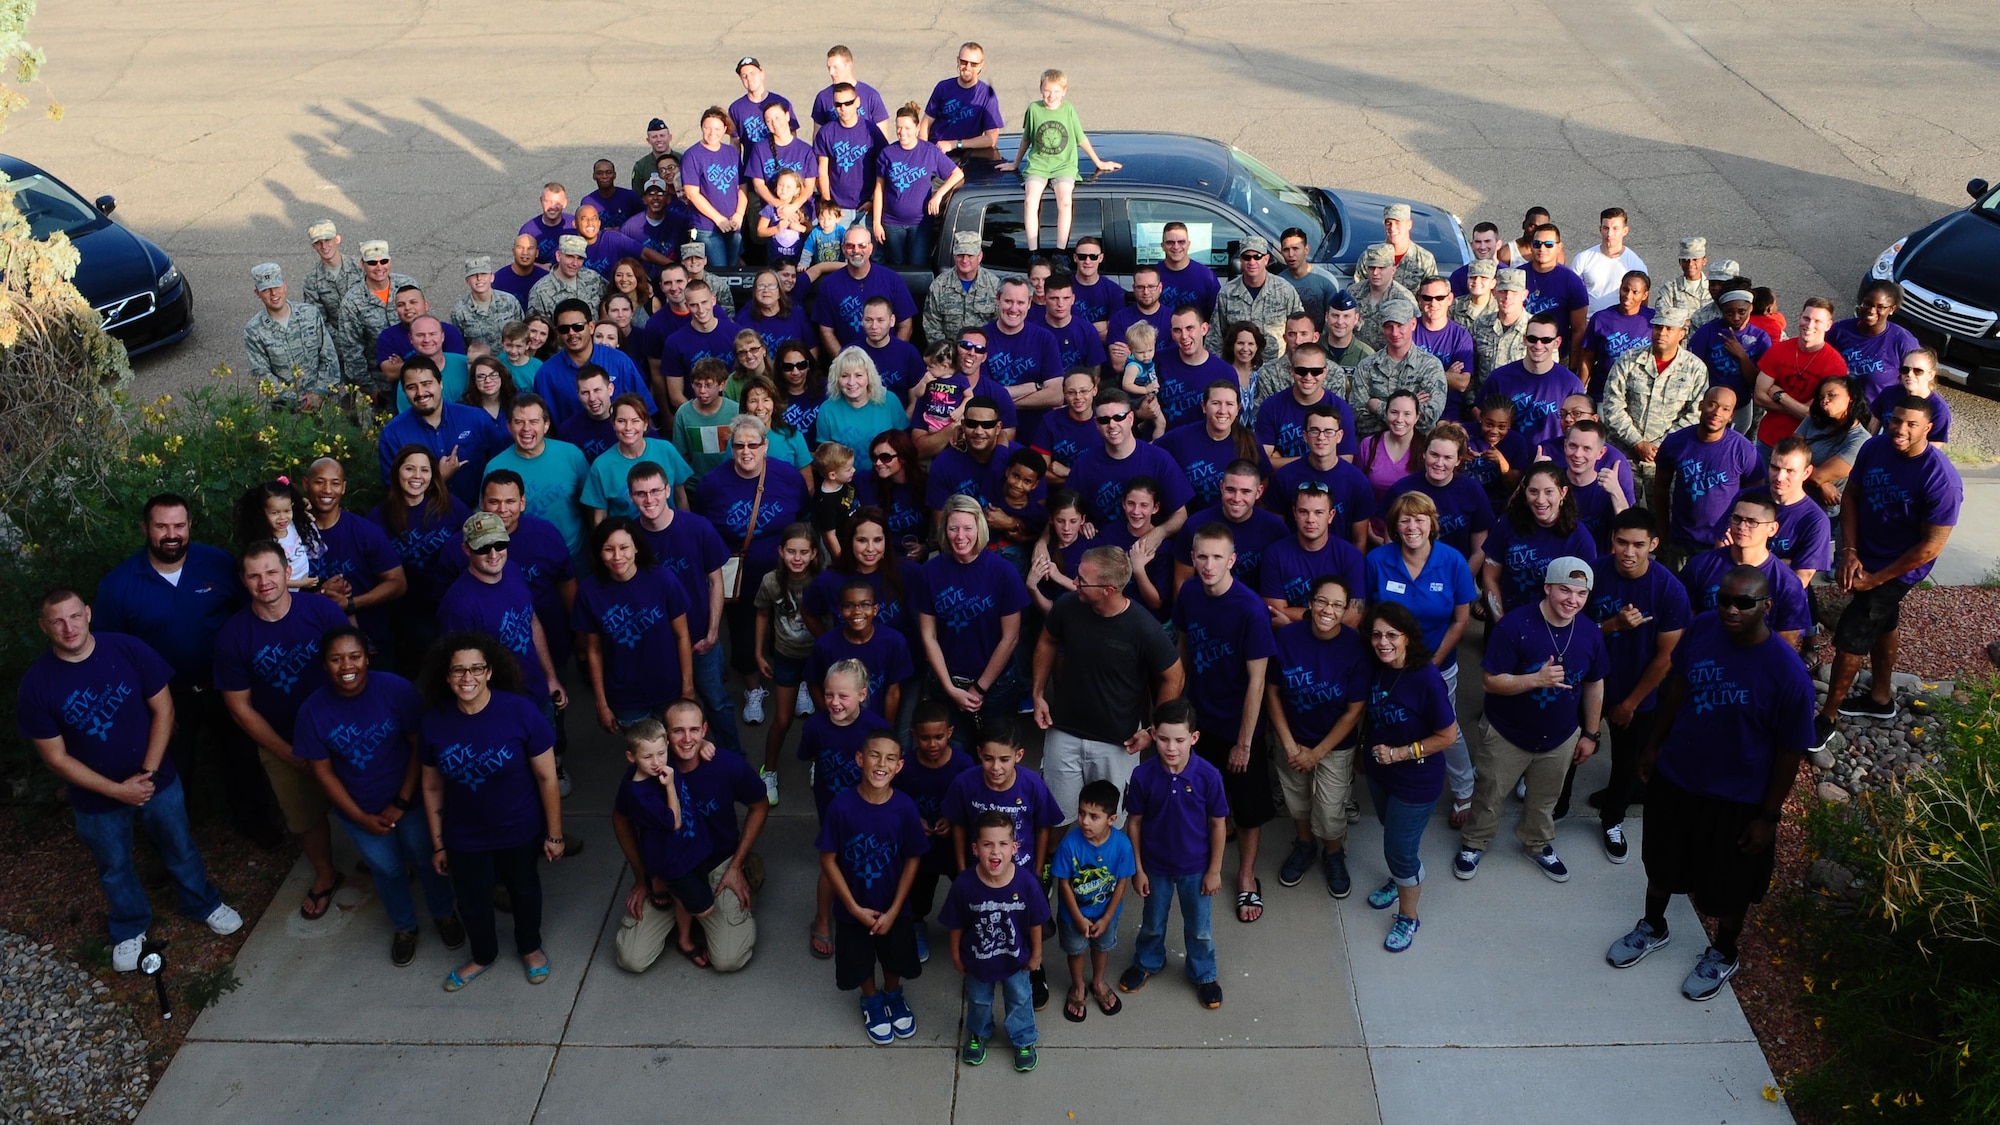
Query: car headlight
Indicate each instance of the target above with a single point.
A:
(1887, 262)
(168, 279)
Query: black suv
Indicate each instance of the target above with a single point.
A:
(1951, 292)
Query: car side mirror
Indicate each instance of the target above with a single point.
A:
(106, 204)
(1976, 187)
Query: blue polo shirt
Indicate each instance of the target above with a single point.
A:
(178, 619)
(1433, 596)
(555, 381)
(470, 430)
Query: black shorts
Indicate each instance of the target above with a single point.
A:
(690, 890)
(1691, 848)
(1251, 802)
(1868, 616)
(856, 952)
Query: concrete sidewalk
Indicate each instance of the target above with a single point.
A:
(1504, 1010)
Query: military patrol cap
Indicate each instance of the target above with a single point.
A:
(1255, 244)
(478, 263)
(1398, 310)
(1397, 211)
(1672, 316)
(1693, 248)
(965, 242)
(266, 276)
(1505, 280)
(1481, 268)
(1378, 254)
(321, 231)
(484, 529)
(694, 250)
(572, 244)
(1724, 270)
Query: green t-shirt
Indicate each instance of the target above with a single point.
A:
(703, 439)
(1052, 135)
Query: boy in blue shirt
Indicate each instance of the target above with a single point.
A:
(996, 912)
(1176, 815)
(869, 843)
(1091, 867)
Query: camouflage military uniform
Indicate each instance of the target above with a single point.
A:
(949, 308)
(1381, 374)
(1495, 345)
(1463, 311)
(1370, 330)
(1643, 403)
(484, 324)
(297, 353)
(1680, 293)
(1416, 265)
(1267, 309)
(361, 319)
(1702, 314)
(725, 297)
(588, 287)
(1341, 363)
(324, 288)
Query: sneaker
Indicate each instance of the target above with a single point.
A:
(403, 948)
(1384, 896)
(572, 846)
(875, 1019)
(1353, 812)
(753, 705)
(923, 944)
(1337, 882)
(1038, 984)
(1025, 1059)
(223, 921)
(563, 785)
(902, 1021)
(770, 778)
(1131, 980)
(1210, 994)
(1708, 976)
(1633, 947)
(1467, 863)
(125, 955)
(1402, 931)
(974, 1051)
(804, 706)
(1551, 863)
(1822, 732)
(451, 932)
(1615, 848)
(1521, 788)
(1304, 854)
(1861, 705)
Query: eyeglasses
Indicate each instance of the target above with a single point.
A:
(1738, 601)
(1433, 298)
(1113, 419)
(1541, 339)
(1543, 244)
(1087, 257)
(1328, 603)
(566, 329)
(857, 247)
(1322, 431)
(468, 671)
(796, 365)
(969, 346)
(987, 424)
(491, 548)
(746, 445)
(848, 102)
(1747, 521)
(766, 287)
(1309, 372)
(857, 605)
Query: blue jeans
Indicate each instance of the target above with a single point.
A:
(996, 717)
(722, 248)
(908, 246)
(1020, 1004)
(391, 858)
(1403, 824)
(716, 700)
(108, 835)
(1151, 951)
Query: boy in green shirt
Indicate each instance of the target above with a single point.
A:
(1050, 129)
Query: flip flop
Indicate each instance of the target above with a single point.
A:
(1109, 1003)
(1250, 900)
(318, 902)
(1075, 1010)
(822, 945)
(1461, 812)
(453, 982)
(696, 957)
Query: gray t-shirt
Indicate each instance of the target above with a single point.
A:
(1111, 668)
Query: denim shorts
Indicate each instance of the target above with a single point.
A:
(1074, 944)
(788, 671)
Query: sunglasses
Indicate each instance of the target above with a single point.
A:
(566, 329)
(1087, 257)
(1545, 245)
(799, 365)
(1113, 419)
(971, 62)
(1906, 369)
(490, 548)
(968, 346)
(1541, 339)
(886, 456)
(746, 445)
(988, 424)
(1316, 486)
(1432, 298)
(1738, 601)
(845, 104)
(374, 261)
(1252, 256)
(1309, 372)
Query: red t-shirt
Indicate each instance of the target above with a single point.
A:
(1798, 373)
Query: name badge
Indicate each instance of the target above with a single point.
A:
(1395, 587)
(1437, 587)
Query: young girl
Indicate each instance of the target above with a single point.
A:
(1055, 133)
(1152, 569)
(491, 387)
(1140, 380)
(1052, 567)
(1498, 454)
(786, 225)
(275, 510)
(781, 622)
(520, 354)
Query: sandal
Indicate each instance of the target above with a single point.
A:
(453, 981)
(318, 902)
(695, 956)
(1109, 1003)
(1250, 900)
(1074, 1009)
(1461, 812)
(822, 945)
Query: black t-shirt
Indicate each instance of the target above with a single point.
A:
(1111, 668)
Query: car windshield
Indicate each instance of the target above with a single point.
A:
(50, 207)
(1274, 201)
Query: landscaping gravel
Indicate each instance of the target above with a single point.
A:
(67, 1052)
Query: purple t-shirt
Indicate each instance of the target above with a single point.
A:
(959, 114)
(1872, 359)
(1027, 802)
(1251, 539)
(775, 331)
(748, 118)
(503, 610)
(546, 237)
(1613, 332)
(358, 550)
(1707, 478)
(1063, 438)
(1463, 509)
(1657, 595)
(366, 738)
(555, 380)
(1100, 480)
(831, 748)
(690, 550)
(1745, 704)
(969, 600)
(1524, 558)
(1450, 344)
(872, 107)
(838, 302)
(1027, 358)
(718, 786)
(97, 706)
(1352, 496)
(899, 363)
(663, 237)
(1193, 284)
(1885, 405)
(870, 844)
(1097, 300)
(1281, 425)
(727, 498)
(768, 158)
(802, 410)
(1703, 574)
(1524, 642)
(994, 922)
(277, 662)
(1723, 370)
(592, 435)
(1408, 705)
(1076, 342)
(1594, 514)
(1182, 385)
(1804, 538)
(505, 280)
(1611, 459)
(1537, 399)
(1203, 458)
(421, 546)
(1513, 447)
(906, 176)
(886, 655)
(491, 800)
(668, 850)
(927, 785)
(1318, 680)
(942, 396)
(850, 161)
(1175, 811)
(689, 345)
(1290, 570)
(615, 206)
(1160, 571)
(955, 472)
(1223, 633)
(822, 600)
(635, 621)
(717, 175)
(1559, 291)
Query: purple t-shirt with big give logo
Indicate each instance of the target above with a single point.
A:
(748, 117)
(1183, 385)
(1408, 705)
(717, 175)
(690, 550)
(1318, 680)
(831, 748)
(1251, 539)
(491, 800)
(1203, 458)
(277, 662)
(1281, 424)
(668, 849)
(97, 706)
(1745, 704)
(1524, 557)
(1537, 399)
(503, 610)
(968, 600)
(1613, 332)
(838, 301)
(1708, 345)
(366, 738)
(768, 158)
(1872, 359)
(1657, 595)
(1708, 476)
(906, 175)
(358, 550)
(635, 621)
(1290, 570)
(870, 843)
(1223, 633)
(1193, 284)
(959, 114)
(727, 498)
(1100, 480)
(850, 161)
(718, 786)
(886, 655)
(1559, 291)
(1703, 577)
(1522, 643)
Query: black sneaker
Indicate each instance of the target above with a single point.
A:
(1861, 705)
(1038, 981)
(1304, 852)
(572, 846)
(403, 948)
(451, 931)
(1615, 848)
(1338, 884)
(1596, 800)
(1822, 732)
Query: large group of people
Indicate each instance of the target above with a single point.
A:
(1219, 544)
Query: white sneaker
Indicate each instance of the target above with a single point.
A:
(753, 705)
(563, 785)
(770, 785)
(125, 955)
(805, 703)
(224, 921)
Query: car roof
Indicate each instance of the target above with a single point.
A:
(16, 168)
(1163, 159)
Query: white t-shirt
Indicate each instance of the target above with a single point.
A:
(1602, 274)
(295, 554)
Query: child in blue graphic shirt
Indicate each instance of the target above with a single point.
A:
(1141, 378)
(870, 843)
(1091, 868)
(822, 243)
(996, 912)
(1001, 783)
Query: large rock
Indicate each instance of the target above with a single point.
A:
(1831, 793)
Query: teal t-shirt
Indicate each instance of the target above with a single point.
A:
(555, 484)
(606, 487)
(455, 377)
(1052, 134)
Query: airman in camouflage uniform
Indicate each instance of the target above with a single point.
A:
(1267, 308)
(331, 276)
(1382, 374)
(1478, 303)
(287, 342)
(1496, 344)
(694, 259)
(1417, 263)
(951, 308)
(1680, 291)
(363, 315)
(1643, 404)
(1378, 262)
(568, 279)
(1726, 270)
(483, 311)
